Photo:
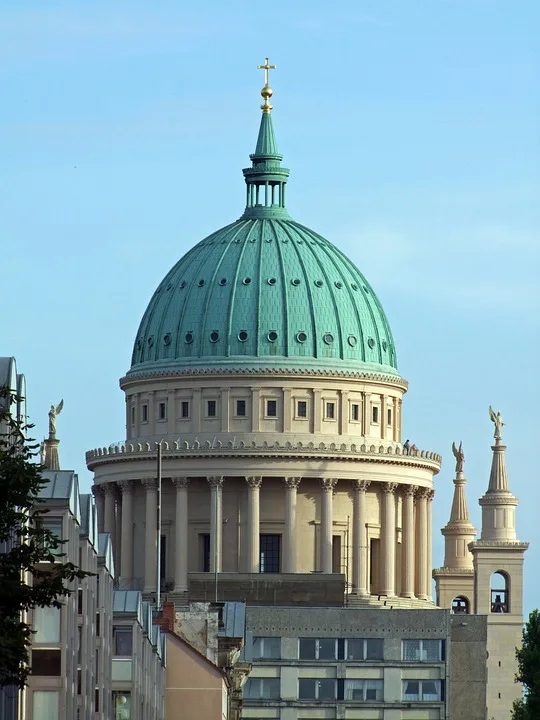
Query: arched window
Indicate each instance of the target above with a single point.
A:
(460, 605)
(500, 595)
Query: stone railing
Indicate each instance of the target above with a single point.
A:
(218, 447)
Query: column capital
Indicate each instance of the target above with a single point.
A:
(215, 481)
(292, 482)
(149, 484)
(409, 490)
(389, 488)
(361, 485)
(126, 486)
(109, 489)
(329, 484)
(97, 490)
(180, 482)
(430, 494)
(254, 481)
(424, 493)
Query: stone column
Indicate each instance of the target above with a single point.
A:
(255, 409)
(388, 539)
(421, 543)
(317, 411)
(367, 414)
(216, 522)
(291, 493)
(287, 409)
(395, 421)
(327, 502)
(359, 551)
(150, 543)
(383, 416)
(343, 412)
(109, 519)
(181, 535)
(126, 556)
(253, 544)
(99, 497)
(407, 542)
(429, 523)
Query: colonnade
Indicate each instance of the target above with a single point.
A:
(115, 513)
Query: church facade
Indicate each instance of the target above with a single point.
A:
(264, 460)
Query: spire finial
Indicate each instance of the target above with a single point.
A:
(266, 92)
(497, 420)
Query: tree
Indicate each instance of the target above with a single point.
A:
(528, 657)
(32, 573)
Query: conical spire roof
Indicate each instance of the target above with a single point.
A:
(266, 141)
(459, 526)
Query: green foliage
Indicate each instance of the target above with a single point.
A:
(528, 657)
(32, 572)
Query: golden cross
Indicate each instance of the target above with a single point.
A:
(266, 67)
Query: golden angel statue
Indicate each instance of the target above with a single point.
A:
(53, 412)
(498, 422)
(459, 455)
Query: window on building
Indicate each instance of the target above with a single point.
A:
(389, 416)
(355, 412)
(375, 414)
(53, 525)
(162, 411)
(460, 606)
(122, 705)
(422, 650)
(96, 700)
(47, 662)
(184, 409)
(301, 408)
(270, 552)
(211, 408)
(204, 541)
(499, 593)
(163, 560)
(336, 553)
(122, 640)
(364, 690)
(266, 648)
(79, 681)
(364, 649)
(423, 690)
(317, 648)
(241, 408)
(98, 624)
(144, 409)
(45, 704)
(317, 689)
(80, 601)
(262, 689)
(271, 408)
(330, 410)
(46, 625)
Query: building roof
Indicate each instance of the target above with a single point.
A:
(128, 602)
(62, 485)
(264, 292)
(105, 552)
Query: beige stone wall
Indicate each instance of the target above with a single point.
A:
(194, 689)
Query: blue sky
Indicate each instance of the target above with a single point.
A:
(412, 133)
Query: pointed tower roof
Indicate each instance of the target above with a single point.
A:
(459, 526)
(266, 179)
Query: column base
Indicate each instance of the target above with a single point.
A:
(410, 596)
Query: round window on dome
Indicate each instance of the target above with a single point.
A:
(201, 283)
(354, 286)
(183, 284)
(242, 336)
(301, 337)
(328, 338)
(223, 281)
(384, 345)
(371, 343)
(272, 281)
(296, 281)
(338, 285)
(247, 281)
(169, 286)
(351, 340)
(214, 336)
(150, 341)
(268, 240)
(188, 337)
(366, 290)
(167, 339)
(319, 283)
(272, 336)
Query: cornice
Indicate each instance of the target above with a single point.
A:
(322, 451)
(453, 571)
(142, 375)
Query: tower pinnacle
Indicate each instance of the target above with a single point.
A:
(266, 92)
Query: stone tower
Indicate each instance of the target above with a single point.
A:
(455, 580)
(498, 582)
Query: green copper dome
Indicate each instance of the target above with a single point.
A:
(264, 293)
